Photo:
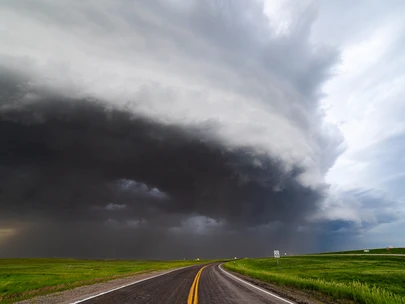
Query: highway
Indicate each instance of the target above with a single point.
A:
(202, 284)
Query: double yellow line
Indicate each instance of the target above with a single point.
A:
(193, 294)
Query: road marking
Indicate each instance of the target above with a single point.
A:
(251, 285)
(126, 285)
(193, 294)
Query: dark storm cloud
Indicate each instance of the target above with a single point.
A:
(153, 128)
(67, 161)
(70, 155)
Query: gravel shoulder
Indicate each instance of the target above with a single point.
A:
(83, 292)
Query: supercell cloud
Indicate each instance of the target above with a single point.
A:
(164, 129)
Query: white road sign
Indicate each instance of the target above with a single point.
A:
(276, 254)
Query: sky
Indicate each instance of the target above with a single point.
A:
(171, 129)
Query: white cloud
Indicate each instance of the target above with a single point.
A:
(115, 207)
(136, 223)
(283, 14)
(198, 224)
(139, 188)
(365, 98)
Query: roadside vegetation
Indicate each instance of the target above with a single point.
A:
(26, 278)
(357, 279)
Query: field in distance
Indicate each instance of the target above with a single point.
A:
(26, 278)
(371, 251)
(339, 278)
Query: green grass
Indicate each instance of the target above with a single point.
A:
(25, 278)
(371, 251)
(360, 279)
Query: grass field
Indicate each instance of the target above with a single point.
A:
(360, 279)
(372, 251)
(26, 278)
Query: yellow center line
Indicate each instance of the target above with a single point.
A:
(196, 287)
(193, 294)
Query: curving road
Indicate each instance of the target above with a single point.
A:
(193, 285)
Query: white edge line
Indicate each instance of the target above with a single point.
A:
(251, 285)
(126, 285)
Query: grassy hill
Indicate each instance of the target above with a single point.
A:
(371, 251)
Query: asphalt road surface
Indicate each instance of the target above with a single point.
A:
(202, 284)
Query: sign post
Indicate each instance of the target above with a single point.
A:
(277, 256)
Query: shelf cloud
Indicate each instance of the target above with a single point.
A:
(161, 129)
